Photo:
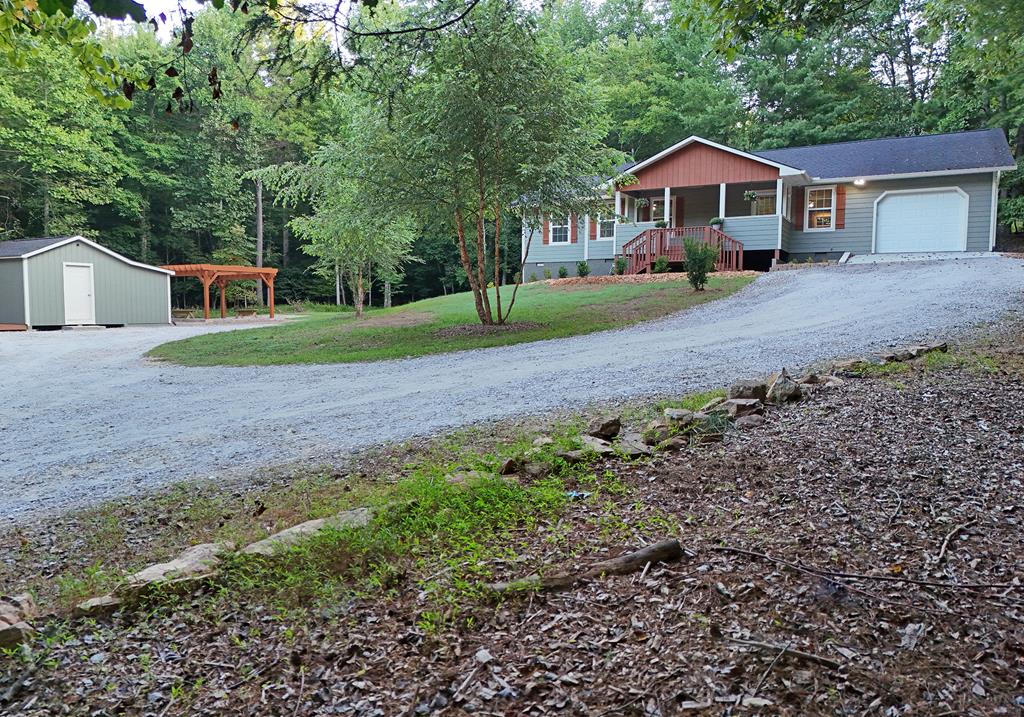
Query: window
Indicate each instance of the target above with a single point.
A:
(560, 232)
(821, 207)
(605, 227)
(763, 203)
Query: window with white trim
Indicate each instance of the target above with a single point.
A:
(560, 232)
(820, 209)
(605, 227)
(763, 203)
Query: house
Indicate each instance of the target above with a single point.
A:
(929, 193)
(72, 281)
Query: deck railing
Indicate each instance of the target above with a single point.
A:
(644, 249)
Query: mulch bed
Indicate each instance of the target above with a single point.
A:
(915, 476)
(639, 278)
(481, 330)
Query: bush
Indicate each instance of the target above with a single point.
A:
(620, 265)
(563, 272)
(717, 222)
(700, 261)
(660, 265)
(547, 273)
(661, 224)
(582, 268)
(517, 278)
(533, 277)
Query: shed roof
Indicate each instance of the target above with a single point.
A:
(984, 149)
(18, 248)
(25, 248)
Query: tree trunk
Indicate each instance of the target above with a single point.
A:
(497, 262)
(46, 206)
(285, 241)
(359, 293)
(387, 294)
(337, 285)
(259, 237)
(460, 230)
(344, 300)
(481, 260)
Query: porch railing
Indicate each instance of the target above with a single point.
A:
(644, 249)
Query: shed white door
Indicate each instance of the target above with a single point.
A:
(79, 302)
(934, 220)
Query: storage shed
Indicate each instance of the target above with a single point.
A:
(72, 281)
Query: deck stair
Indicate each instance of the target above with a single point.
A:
(644, 249)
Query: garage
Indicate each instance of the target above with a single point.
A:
(921, 220)
(73, 281)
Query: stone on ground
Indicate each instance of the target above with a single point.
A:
(14, 635)
(752, 420)
(598, 445)
(509, 466)
(739, 407)
(655, 432)
(633, 445)
(680, 417)
(199, 561)
(606, 427)
(15, 612)
(784, 389)
(712, 406)
(355, 518)
(749, 389)
(97, 607)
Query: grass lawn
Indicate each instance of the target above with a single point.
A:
(444, 323)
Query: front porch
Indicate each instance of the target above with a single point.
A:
(644, 250)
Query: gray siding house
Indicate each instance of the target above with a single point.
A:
(72, 281)
(929, 193)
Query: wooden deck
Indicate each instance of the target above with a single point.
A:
(13, 327)
(644, 249)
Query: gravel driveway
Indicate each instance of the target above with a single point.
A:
(86, 418)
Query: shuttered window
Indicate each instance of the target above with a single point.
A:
(560, 232)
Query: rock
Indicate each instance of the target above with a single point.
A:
(17, 608)
(606, 428)
(851, 364)
(676, 443)
(752, 420)
(196, 563)
(710, 437)
(541, 441)
(535, 470)
(483, 656)
(809, 379)
(749, 389)
(576, 456)
(97, 607)
(738, 407)
(784, 389)
(17, 634)
(598, 445)
(680, 417)
(633, 445)
(712, 406)
(510, 466)
(922, 349)
(833, 382)
(897, 355)
(355, 518)
(655, 432)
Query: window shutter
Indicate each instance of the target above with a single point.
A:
(593, 228)
(798, 207)
(840, 206)
(573, 228)
(546, 232)
(679, 212)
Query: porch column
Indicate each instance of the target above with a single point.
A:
(721, 200)
(778, 196)
(618, 204)
(586, 237)
(222, 284)
(668, 209)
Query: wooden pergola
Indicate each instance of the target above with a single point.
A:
(221, 274)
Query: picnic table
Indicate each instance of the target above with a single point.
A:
(183, 313)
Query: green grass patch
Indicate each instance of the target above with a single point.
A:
(931, 362)
(442, 324)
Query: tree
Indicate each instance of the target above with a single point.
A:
(496, 124)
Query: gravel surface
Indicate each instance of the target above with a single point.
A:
(859, 554)
(86, 418)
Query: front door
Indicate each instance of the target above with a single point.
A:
(79, 302)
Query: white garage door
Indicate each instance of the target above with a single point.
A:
(921, 221)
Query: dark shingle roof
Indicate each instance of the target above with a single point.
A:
(21, 247)
(979, 149)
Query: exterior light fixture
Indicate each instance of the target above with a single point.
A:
(859, 182)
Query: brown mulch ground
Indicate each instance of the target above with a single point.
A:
(915, 476)
(482, 330)
(639, 278)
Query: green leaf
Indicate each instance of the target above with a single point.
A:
(118, 9)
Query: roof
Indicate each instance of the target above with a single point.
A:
(20, 247)
(784, 168)
(978, 150)
(222, 271)
(25, 248)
